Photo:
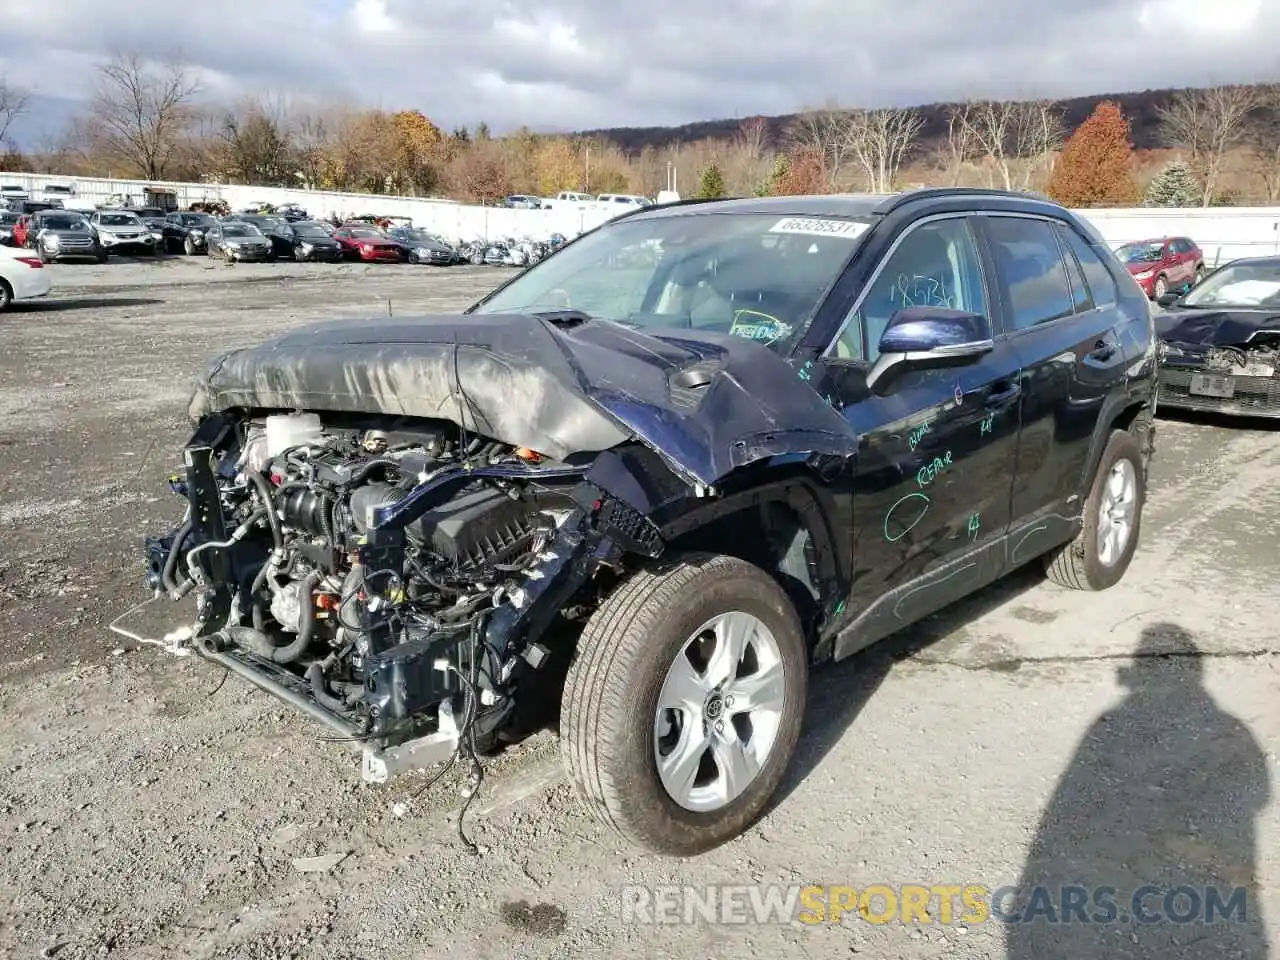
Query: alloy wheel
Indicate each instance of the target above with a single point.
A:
(719, 711)
(1117, 512)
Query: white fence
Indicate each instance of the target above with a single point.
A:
(1222, 232)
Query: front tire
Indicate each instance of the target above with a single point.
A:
(1101, 554)
(6, 295)
(188, 247)
(651, 736)
(1161, 287)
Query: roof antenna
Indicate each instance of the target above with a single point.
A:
(389, 307)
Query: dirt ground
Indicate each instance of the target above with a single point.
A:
(148, 811)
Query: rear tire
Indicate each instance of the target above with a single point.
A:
(1085, 563)
(6, 295)
(1199, 275)
(634, 644)
(188, 247)
(1161, 286)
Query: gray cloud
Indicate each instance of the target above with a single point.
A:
(572, 64)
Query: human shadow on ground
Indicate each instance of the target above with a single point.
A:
(1151, 828)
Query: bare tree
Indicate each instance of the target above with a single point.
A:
(142, 109)
(1208, 124)
(14, 101)
(825, 132)
(958, 147)
(1017, 137)
(880, 140)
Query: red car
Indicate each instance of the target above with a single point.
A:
(366, 243)
(1172, 264)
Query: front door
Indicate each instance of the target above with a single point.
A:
(935, 464)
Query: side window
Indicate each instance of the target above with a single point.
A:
(935, 265)
(1030, 270)
(1079, 291)
(1102, 286)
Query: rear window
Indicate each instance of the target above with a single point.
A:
(1031, 270)
(1102, 285)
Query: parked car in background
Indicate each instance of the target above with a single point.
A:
(186, 231)
(65, 235)
(233, 240)
(292, 212)
(367, 243)
(22, 277)
(313, 241)
(1220, 342)
(569, 196)
(522, 202)
(122, 231)
(1163, 265)
(156, 225)
(8, 220)
(10, 192)
(422, 246)
(276, 229)
(623, 199)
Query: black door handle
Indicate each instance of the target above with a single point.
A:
(1003, 396)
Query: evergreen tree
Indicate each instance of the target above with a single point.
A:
(1096, 165)
(1174, 186)
(711, 183)
(769, 186)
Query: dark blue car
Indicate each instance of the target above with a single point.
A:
(656, 477)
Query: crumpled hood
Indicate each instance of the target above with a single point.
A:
(708, 403)
(1215, 328)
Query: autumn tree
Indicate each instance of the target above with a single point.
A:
(479, 175)
(1096, 166)
(1173, 186)
(805, 174)
(417, 150)
(711, 183)
(141, 110)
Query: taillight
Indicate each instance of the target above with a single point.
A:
(31, 262)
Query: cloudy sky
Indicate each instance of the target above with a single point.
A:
(577, 64)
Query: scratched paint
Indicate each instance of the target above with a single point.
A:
(975, 521)
(987, 422)
(904, 515)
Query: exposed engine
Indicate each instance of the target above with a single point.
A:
(1259, 359)
(286, 535)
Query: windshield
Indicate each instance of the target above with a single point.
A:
(64, 223)
(197, 220)
(240, 230)
(1244, 285)
(1148, 251)
(367, 234)
(119, 220)
(754, 275)
(419, 236)
(8, 217)
(310, 230)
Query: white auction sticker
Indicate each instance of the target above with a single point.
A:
(820, 227)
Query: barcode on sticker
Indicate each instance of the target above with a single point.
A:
(819, 227)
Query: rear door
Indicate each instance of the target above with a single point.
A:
(935, 462)
(1071, 358)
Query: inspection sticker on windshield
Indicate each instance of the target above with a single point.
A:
(820, 227)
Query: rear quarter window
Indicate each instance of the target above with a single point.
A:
(1102, 285)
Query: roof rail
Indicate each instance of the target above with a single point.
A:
(927, 193)
(691, 201)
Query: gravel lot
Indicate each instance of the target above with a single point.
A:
(145, 814)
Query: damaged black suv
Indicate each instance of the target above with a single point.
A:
(650, 481)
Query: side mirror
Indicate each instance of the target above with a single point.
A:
(1168, 299)
(921, 338)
